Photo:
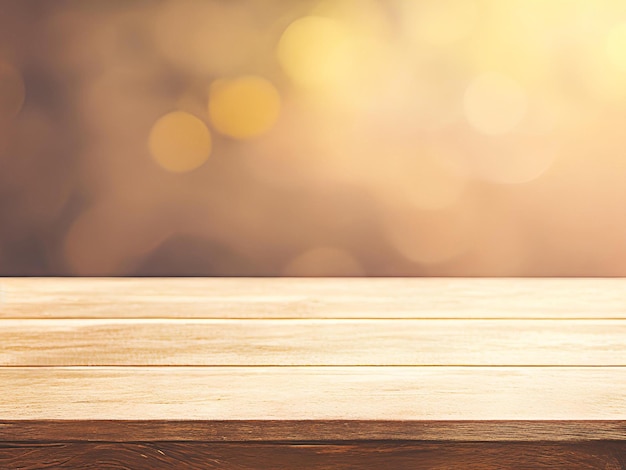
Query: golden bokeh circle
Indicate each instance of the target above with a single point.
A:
(312, 51)
(243, 108)
(180, 142)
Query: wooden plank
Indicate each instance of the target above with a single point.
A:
(336, 456)
(311, 429)
(312, 298)
(313, 393)
(312, 342)
(320, 430)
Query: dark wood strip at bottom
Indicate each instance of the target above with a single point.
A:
(336, 456)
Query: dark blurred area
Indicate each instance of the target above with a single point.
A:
(313, 138)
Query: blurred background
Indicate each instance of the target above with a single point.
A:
(313, 138)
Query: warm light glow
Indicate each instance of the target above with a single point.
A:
(342, 64)
(429, 237)
(616, 46)
(12, 91)
(180, 142)
(323, 261)
(494, 104)
(203, 36)
(431, 178)
(498, 245)
(437, 22)
(311, 50)
(324, 137)
(243, 108)
(364, 16)
(510, 163)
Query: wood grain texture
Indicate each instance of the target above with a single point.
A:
(287, 430)
(312, 342)
(307, 455)
(336, 373)
(312, 298)
(318, 393)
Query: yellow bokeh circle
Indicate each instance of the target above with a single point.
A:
(180, 142)
(313, 51)
(244, 107)
(616, 46)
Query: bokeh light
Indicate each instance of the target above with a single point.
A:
(318, 137)
(616, 46)
(311, 50)
(429, 237)
(325, 54)
(244, 107)
(494, 104)
(504, 161)
(431, 178)
(180, 142)
(438, 22)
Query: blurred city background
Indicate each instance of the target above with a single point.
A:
(313, 138)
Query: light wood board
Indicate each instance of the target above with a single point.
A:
(251, 342)
(312, 298)
(312, 359)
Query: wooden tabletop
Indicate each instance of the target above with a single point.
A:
(89, 361)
